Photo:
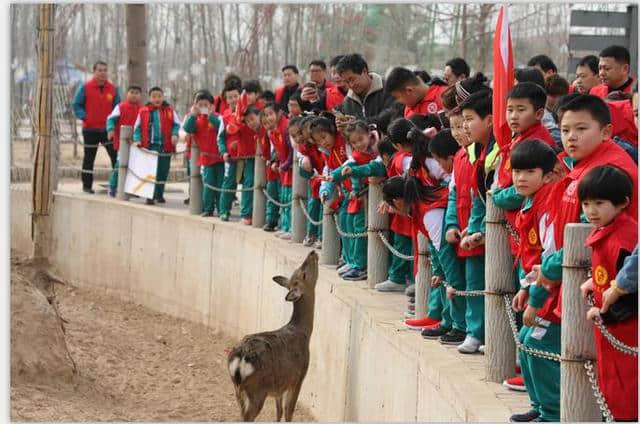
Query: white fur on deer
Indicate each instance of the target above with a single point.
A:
(274, 363)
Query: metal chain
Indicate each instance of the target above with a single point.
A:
(347, 234)
(389, 246)
(617, 344)
(602, 403)
(275, 202)
(93, 146)
(304, 210)
(514, 329)
(468, 293)
(161, 154)
(512, 231)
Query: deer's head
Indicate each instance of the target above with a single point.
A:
(302, 281)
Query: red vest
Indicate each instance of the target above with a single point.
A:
(617, 372)
(277, 137)
(536, 131)
(400, 224)
(98, 104)
(623, 121)
(220, 105)
(333, 97)
(361, 158)
(603, 90)
(430, 103)
(564, 206)
(206, 137)
(418, 210)
(530, 247)
(463, 175)
(128, 116)
(317, 163)
(165, 111)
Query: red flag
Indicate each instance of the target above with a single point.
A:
(503, 77)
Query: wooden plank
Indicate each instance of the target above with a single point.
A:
(595, 43)
(588, 18)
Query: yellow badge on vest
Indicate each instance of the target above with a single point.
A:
(600, 276)
(533, 237)
(109, 96)
(507, 164)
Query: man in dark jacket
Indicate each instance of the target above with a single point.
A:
(366, 98)
(290, 85)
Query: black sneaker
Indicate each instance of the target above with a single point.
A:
(161, 200)
(88, 190)
(412, 300)
(210, 213)
(186, 201)
(269, 228)
(149, 202)
(410, 290)
(524, 418)
(435, 332)
(453, 337)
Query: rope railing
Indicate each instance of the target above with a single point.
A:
(276, 202)
(347, 234)
(303, 206)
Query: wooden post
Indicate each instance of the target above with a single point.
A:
(195, 188)
(377, 254)
(259, 184)
(500, 348)
(330, 252)
(577, 402)
(423, 279)
(44, 160)
(126, 136)
(298, 220)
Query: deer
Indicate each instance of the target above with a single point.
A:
(275, 363)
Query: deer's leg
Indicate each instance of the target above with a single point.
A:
(291, 399)
(255, 402)
(241, 403)
(278, 408)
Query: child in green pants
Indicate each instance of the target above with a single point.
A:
(156, 129)
(207, 130)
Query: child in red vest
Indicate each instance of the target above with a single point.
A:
(586, 131)
(125, 113)
(207, 129)
(334, 152)
(311, 164)
(156, 129)
(605, 193)
(532, 163)
(362, 140)
(276, 125)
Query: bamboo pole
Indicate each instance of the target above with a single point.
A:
(259, 184)
(577, 402)
(330, 241)
(195, 188)
(44, 159)
(423, 278)
(298, 220)
(500, 349)
(126, 136)
(377, 255)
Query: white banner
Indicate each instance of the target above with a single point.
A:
(144, 165)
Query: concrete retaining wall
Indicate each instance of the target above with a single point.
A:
(364, 365)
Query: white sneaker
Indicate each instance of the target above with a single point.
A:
(344, 268)
(470, 345)
(318, 245)
(390, 286)
(285, 236)
(481, 349)
(278, 233)
(410, 314)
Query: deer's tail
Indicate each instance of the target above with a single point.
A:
(239, 368)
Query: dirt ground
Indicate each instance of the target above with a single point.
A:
(133, 364)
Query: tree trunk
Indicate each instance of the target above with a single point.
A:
(136, 22)
(44, 163)
(287, 34)
(191, 55)
(463, 44)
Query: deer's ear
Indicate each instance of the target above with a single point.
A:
(294, 294)
(282, 280)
